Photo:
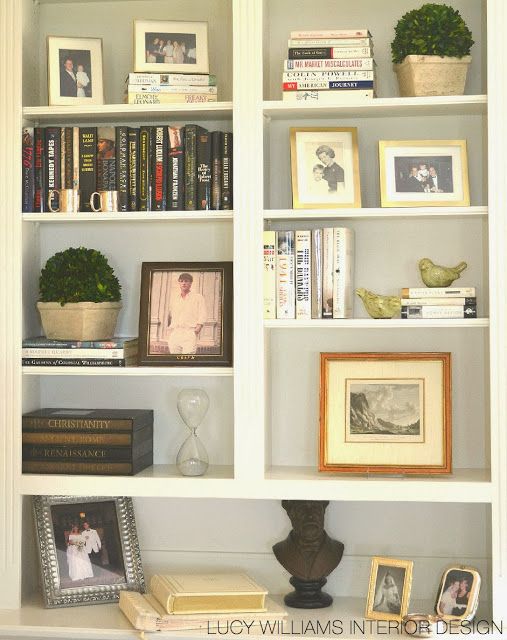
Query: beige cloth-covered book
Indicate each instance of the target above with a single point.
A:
(180, 593)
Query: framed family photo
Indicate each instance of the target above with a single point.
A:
(88, 549)
(389, 589)
(168, 46)
(325, 167)
(458, 593)
(185, 316)
(423, 173)
(385, 413)
(75, 74)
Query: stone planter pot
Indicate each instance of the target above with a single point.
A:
(79, 320)
(432, 75)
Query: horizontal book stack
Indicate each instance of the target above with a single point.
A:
(152, 168)
(87, 441)
(44, 352)
(170, 88)
(438, 303)
(309, 274)
(329, 67)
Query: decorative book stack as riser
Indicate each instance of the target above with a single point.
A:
(46, 352)
(87, 441)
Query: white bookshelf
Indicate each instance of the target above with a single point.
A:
(262, 427)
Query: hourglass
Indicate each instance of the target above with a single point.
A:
(192, 458)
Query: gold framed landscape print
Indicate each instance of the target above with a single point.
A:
(385, 413)
(324, 167)
(389, 589)
(423, 173)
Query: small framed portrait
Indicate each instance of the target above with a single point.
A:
(88, 549)
(75, 71)
(385, 413)
(389, 590)
(458, 593)
(162, 46)
(185, 316)
(325, 167)
(423, 173)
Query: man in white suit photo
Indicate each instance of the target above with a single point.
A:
(93, 543)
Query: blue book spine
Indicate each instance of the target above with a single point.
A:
(351, 84)
(46, 343)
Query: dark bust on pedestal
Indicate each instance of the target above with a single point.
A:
(308, 554)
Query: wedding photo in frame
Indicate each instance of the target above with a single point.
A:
(324, 167)
(169, 46)
(389, 589)
(75, 75)
(385, 413)
(185, 316)
(458, 593)
(423, 173)
(88, 549)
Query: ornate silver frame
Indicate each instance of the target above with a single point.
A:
(54, 596)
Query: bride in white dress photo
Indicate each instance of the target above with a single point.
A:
(78, 560)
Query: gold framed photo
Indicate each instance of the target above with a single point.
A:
(169, 46)
(389, 589)
(324, 167)
(458, 593)
(385, 413)
(423, 173)
(75, 75)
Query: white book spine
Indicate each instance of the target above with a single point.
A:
(101, 354)
(340, 96)
(331, 33)
(75, 158)
(327, 76)
(327, 272)
(439, 312)
(334, 53)
(269, 241)
(303, 275)
(325, 64)
(317, 273)
(425, 302)
(153, 88)
(329, 42)
(438, 292)
(343, 272)
(285, 283)
(173, 79)
(169, 98)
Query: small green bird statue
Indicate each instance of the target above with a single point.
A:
(379, 306)
(434, 275)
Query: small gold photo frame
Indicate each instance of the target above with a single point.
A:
(389, 590)
(458, 594)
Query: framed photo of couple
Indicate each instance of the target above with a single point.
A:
(458, 594)
(88, 549)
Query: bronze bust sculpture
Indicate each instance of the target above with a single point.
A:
(308, 553)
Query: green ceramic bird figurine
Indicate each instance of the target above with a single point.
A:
(379, 306)
(434, 275)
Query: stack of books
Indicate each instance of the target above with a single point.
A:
(329, 66)
(170, 88)
(45, 352)
(87, 441)
(309, 274)
(438, 303)
(200, 601)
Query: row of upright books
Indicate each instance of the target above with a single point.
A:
(170, 88)
(329, 66)
(152, 168)
(437, 303)
(309, 274)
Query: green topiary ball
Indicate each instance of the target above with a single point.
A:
(432, 30)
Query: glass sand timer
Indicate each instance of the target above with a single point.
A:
(192, 458)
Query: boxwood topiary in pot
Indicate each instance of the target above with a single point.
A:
(431, 51)
(80, 296)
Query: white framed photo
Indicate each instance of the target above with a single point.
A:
(75, 75)
(169, 46)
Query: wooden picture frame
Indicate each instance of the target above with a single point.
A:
(424, 173)
(458, 593)
(398, 401)
(324, 167)
(389, 589)
(91, 564)
(75, 72)
(170, 46)
(198, 335)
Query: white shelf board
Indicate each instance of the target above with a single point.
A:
(130, 216)
(374, 212)
(129, 371)
(383, 107)
(129, 112)
(370, 323)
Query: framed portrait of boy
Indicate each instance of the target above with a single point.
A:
(423, 173)
(324, 167)
(185, 315)
(168, 46)
(458, 593)
(88, 549)
(75, 75)
(389, 589)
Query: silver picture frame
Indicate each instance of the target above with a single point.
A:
(120, 570)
